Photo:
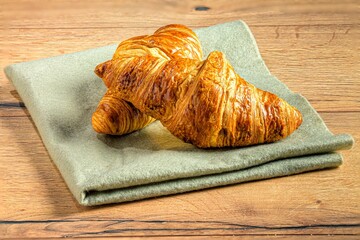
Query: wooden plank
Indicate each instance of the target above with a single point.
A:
(155, 13)
(122, 227)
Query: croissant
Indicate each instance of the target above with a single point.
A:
(201, 102)
(116, 116)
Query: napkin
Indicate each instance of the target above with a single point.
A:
(62, 92)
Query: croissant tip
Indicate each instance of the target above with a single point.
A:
(101, 68)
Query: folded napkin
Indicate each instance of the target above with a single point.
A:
(62, 92)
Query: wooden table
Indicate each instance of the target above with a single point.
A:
(312, 47)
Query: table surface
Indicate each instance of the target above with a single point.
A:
(312, 46)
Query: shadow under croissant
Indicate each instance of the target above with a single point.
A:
(154, 137)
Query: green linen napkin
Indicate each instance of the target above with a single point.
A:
(62, 92)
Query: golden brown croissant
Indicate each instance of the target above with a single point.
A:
(115, 116)
(202, 102)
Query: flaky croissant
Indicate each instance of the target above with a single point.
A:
(116, 116)
(201, 102)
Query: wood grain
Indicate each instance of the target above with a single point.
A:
(312, 46)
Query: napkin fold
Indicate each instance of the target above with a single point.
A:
(62, 92)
